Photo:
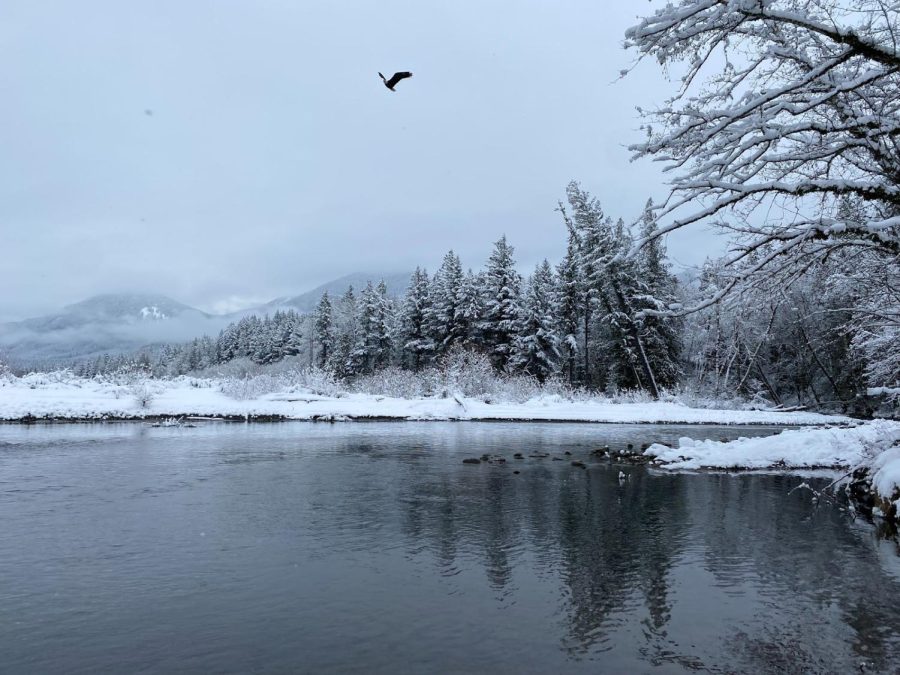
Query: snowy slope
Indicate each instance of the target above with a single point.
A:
(306, 302)
(105, 323)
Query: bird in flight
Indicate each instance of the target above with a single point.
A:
(394, 79)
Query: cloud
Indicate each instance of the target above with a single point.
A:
(275, 159)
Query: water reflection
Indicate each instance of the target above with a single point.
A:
(322, 548)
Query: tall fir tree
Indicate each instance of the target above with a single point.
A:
(500, 323)
(469, 310)
(324, 329)
(658, 291)
(416, 310)
(443, 319)
(536, 347)
(569, 304)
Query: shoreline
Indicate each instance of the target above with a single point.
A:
(28, 401)
(338, 418)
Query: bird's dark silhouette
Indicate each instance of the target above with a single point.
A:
(394, 79)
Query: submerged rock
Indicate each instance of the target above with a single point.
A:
(471, 460)
(579, 464)
(518, 455)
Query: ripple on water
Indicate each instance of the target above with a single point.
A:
(286, 547)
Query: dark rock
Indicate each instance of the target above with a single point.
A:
(471, 460)
(557, 459)
(567, 452)
(580, 465)
(630, 447)
(516, 471)
(518, 455)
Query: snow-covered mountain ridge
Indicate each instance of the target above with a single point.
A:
(120, 322)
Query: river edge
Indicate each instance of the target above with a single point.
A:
(874, 498)
(173, 420)
(868, 453)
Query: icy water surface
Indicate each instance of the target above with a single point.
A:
(371, 548)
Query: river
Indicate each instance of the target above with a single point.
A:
(371, 547)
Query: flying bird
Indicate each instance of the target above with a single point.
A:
(395, 78)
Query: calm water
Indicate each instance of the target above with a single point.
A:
(372, 548)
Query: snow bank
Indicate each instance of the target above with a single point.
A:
(885, 472)
(59, 398)
(867, 443)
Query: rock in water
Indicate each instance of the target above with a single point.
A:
(471, 460)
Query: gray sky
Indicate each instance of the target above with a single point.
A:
(225, 152)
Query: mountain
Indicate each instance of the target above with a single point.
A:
(306, 302)
(124, 322)
(103, 324)
(114, 308)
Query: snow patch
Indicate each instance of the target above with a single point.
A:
(153, 313)
(797, 448)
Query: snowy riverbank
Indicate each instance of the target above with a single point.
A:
(870, 451)
(33, 398)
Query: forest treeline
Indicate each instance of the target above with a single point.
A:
(601, 319)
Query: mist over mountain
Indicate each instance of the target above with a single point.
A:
(121, 322)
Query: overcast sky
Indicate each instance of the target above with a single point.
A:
(225, 152)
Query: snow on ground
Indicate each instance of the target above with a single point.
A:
(34, 397)
(797, 448)
(873, 444)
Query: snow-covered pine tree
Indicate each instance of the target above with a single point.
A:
(324, 329)
(469, 310)
(443, 320)
(416, 310)
(536, 347)
(583, 226)
(293, 334)
(371, 348)
(569, 304)
(656, 289)
(344, 362)
(264, 342)
(383, 317)
(501, 321)
(611, 284)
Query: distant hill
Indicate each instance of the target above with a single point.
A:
(306, 302)
(124, 322)
(103, 324)
(114, 308)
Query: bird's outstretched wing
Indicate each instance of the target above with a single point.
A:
(396, 77)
